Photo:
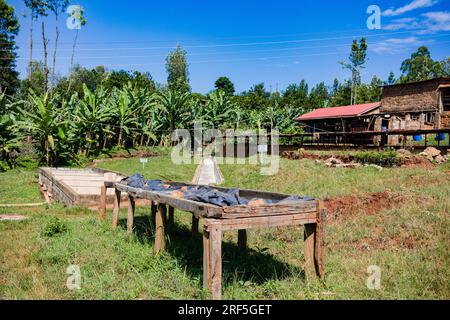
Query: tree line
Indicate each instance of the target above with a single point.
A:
(94, 110)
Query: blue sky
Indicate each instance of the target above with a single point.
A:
(250, 41)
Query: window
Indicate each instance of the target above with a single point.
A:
(429, 117)
(446, 99)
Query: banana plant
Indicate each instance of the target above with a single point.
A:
(40, 118)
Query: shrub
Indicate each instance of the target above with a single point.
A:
(385, 159)
(54, 227)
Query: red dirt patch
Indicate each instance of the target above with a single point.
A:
(414, 161)
(370, 204)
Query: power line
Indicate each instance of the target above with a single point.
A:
(235, 44)
(233, 52)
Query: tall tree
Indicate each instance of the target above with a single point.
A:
(177, 71)
(225, 84)
(356, 61)
(391, 79)
(79, 20)
(318, 97)
(9, 27)
(420, 66)
(57, 7)
(296, 96)
(37, 8)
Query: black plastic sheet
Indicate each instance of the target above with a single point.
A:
(205, 194)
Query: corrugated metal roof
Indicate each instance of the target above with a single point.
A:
(340, 112)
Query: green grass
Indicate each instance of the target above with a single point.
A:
(156, 168)
(409, 242)
(18, 186)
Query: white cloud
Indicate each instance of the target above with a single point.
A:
(405, 23)
(427, 23)
(438, 16)
(413, 5)
(397, 45)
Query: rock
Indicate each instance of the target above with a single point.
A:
(423, 154)
(432, 152)
(439, 159)
(404, 152)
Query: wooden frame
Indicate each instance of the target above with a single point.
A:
(217, 219)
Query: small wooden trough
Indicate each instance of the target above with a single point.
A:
(76, 187)
(217, 219)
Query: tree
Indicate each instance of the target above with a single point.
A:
(9, 27)
(391, 79)
(357, 59)
(341, 93)
(174, 106)
(225, 84)
(57, 7)
(35, 80)
(77, 14)
(177, 71)
(318, 97)
(296, 96)
(420, 66)
(37, 8)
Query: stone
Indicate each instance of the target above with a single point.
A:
(433, 152)
(439, 159)
(404, 152)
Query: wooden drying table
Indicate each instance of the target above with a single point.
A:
(217, 219)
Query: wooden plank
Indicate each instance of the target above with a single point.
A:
(195, 221)
(102, 209)
(233, 212)
(130, 215)
(116, 210)
(268, 221)
(160, 243)
(309, 237)
(319, 250)
(213, 257)
(242, 239)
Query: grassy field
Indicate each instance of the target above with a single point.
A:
(409, 241)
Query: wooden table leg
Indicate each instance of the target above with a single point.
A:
(130, 216)
(242, 239)
(154, 208)
(212, 258)
(310, 236)
(115, 216)
(160, 243)
(102, 209)
(319, 250)
(171, 219)
(194, 228)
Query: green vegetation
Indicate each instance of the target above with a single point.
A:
(384, 159)
(408, 240)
